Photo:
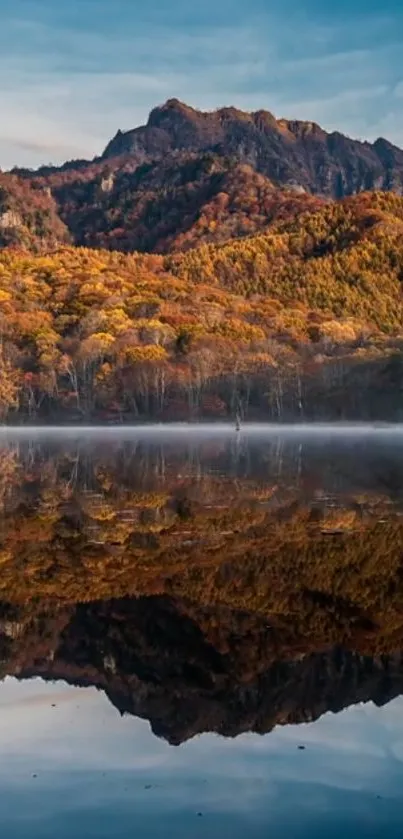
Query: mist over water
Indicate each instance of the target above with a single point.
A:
(203, 428)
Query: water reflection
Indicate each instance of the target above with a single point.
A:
(209, 583)
(73, 767)
(190, 670)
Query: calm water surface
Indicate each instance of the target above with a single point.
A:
(201, 632)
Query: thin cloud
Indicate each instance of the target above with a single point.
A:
(66, 90)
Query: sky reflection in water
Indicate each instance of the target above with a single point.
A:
(99, 775)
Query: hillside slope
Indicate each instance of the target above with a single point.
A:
(29, 215)
(345, 258)
(305, 320)
(170, 204)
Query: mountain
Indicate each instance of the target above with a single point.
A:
(246, 288)
(189, 177)
(289, 152)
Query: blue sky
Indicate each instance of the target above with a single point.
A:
(74, 72)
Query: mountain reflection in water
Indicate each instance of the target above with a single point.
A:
(205, 582)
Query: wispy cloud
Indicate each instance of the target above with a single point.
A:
(68, 86)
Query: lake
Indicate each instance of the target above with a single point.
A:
(201, 632)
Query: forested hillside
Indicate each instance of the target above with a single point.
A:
(170, 204)
(29, 215)
(304, 321)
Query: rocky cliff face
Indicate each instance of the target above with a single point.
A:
(289, 152)
(188, 669)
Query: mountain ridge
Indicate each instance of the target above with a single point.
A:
(151, 189)
(182, 126)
